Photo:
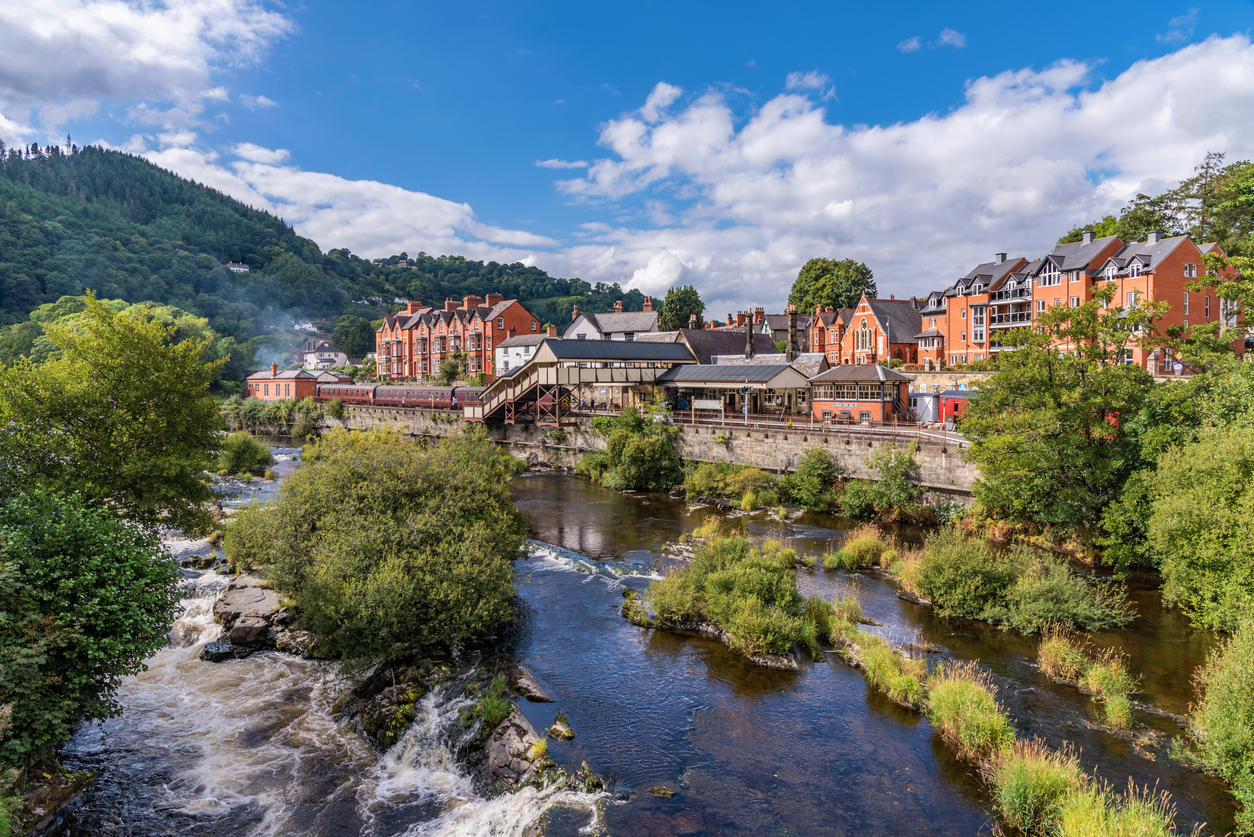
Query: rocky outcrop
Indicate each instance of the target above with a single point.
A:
(251, 621)
(526, 685)
(511, 750)
(561, 729)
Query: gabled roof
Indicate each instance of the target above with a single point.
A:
(990, 273)
(779, 322)
(847, 372)
(1149, 254)
(1210, 247)
(705, 343)
(807, 363)
(614, 351)
(752, 373)
(1078, 255)
(283, 374)
(898, 317)
(522, 340)
(615, 322)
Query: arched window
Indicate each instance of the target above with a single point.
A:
(862, 340)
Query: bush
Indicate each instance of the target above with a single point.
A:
(900, 678)
(1093, 811)
(383, 544)
(813, 484)
(1223, 721)
(335, 408)
(1029, 785)
(858, 499)
(494, 707)
(1022, 589)
(963, 709)
(747, 486)
(1061, 653)
(86, 598)
(866, 546)
(639, 454)
(240, 453)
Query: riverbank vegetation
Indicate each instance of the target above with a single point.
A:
(239, 453)
(384, 545)
(639, 451)
(298, 419)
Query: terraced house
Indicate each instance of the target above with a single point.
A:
(411, 344)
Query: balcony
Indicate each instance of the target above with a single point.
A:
(1005, 320)
(1021, 293)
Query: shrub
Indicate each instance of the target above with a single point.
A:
(1108, 676)
(1029, 784)
(335, 408)
(1062, 653)
(847, 609)
(1223, 721)
(813, 484)
(900, 678)
(1093, 811)
(240, 453)
(639, 454)
(86, 598)
(865, 546)
(963, 709)
(858, 499)
(384, 544)
(820, 613)
(898, 485)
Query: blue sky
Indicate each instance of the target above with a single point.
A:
(717, 144)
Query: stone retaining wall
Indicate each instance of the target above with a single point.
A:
(943, 466)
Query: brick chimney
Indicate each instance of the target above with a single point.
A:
(512, 331)
(741, 316)
(759, 314)
(818, 309)
(551, 331)
(892, 296)
(831, 310)
(451, 304)
(648, 305)
(574, 313)
(494, 299)
(692, 321)
(274, 369)
(413, 307)
(617, 308)
(472, 301)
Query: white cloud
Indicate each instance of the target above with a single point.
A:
(258, 154)
(1179, 29)
(555, 163)
(256, 102)
(812, 80)
(951, 37)
(911, 44)
(662, 97)
(1027, 155)
(163, 52)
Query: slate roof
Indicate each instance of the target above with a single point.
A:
(931, 332)
(899, 317)
(779, 322)
(283, 374)
(706, 343)
(753, 373)
(1148, 254)
(522, 340)
(990, 273)
(617, 350)
(848, 372)
(1208, 248)
(633, 321)
(1076, 256)
(807, 363)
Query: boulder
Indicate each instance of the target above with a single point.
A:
(561, 730)
(222, 650)
(249, 630)
(679, 492)
(245, 597)
(508, 749)
(526, 685)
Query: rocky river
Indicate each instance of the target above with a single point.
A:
(691, 738)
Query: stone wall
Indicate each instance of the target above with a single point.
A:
(943, 466)
(924, 381)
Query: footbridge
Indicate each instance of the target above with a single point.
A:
(545, 390)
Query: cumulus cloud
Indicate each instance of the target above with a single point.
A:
(911, 44)
(756, 194)
(258, 154)
(662, 97)
(258, 102)
(1179, 29)
(562, 164)
(57, 52)
(951, 37)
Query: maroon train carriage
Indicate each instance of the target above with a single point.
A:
(412, 395)
(348, 393)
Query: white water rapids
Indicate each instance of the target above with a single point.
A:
(252, 747)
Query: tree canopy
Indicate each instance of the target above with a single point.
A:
(353, 335)
(678, 307)
(824, 282)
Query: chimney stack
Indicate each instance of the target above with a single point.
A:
(493, 299)
(793, 347)
(1000, 257)
(892, 296)
(759, 314)
(1087, 237)
(413, 306)
(617, 307)
(748, 340)
(1153, 238)
(451, 304)
(274, 369)
(551, 331)
(574, 313)
(648, 305)
(692, 321)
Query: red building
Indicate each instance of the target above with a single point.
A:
(413, 343)
(881, 329)
(287, 385)
(860, 393)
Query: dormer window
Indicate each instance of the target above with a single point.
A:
(1050, 275)
(1110, 271)
(1134, 269)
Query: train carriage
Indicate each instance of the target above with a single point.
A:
(347, 393)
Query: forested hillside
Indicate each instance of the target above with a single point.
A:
(75, 219)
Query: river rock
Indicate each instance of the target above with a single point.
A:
(679, 492)
(561, 730)
(221, 650)
(508, 749)
(249, 630)
(526, 685)
(245, 596)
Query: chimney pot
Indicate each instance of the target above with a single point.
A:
(274, 369)
(692, 321)
(574, 313)
(892, 296)
(618, 307)
(413, 306)
(1000, 257)
(1087, 237)
(648, 305)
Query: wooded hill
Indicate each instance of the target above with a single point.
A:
(89, 218)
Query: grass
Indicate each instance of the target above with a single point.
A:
(900, 678)
(1029, 784)
(962, 707)
(865, 546)
(710, 528)
(1095, 811)
(1062, 653)
(1223, 721)
(1109, 680)
(494, 707)
(540, 749)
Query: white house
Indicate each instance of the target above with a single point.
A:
(513, 352)
(616, 325)
(319, 354)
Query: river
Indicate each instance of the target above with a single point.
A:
(251, 747)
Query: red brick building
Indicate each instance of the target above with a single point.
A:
(413, 343)
(275, 385)
(880, 329)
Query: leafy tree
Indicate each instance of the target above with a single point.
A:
(639, 451)
(1223, 722)
(86, 598)
(840, 284)
(813, 483)
(452, 369)
(1047, 428)
(353, 336)
(1200, 526)
(678, 307)
(1100, 229)
(385, 545)
(121, 416)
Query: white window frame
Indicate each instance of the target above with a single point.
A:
(1190, 271)
(1186, 304)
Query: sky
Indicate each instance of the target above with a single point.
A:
(646, 143)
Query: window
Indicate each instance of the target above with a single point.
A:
(1050, 275)
(534, 324)
(1110, 271)
(268, 388)
(629, 336)
(963, 315)
(1186, 323)
(1057, 302)
(1208, 306)
(1040, 306)
(500, 322)
(1186, 303)
(1075, 276)
(1131, 299)
(287, 390)
(1075, 302)
(933, 322)
(1190, 271)
(964, 337)
(1134, 269)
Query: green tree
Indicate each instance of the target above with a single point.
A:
(1100, 229)
(122, 416)
(840, 284)
(86, 598)
(1223, 722)
(1047, 428)
(353, 336)
(385, 545)
(639, 451)
(678, 307)
(1200, 526)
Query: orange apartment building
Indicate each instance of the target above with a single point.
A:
(412, 344)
